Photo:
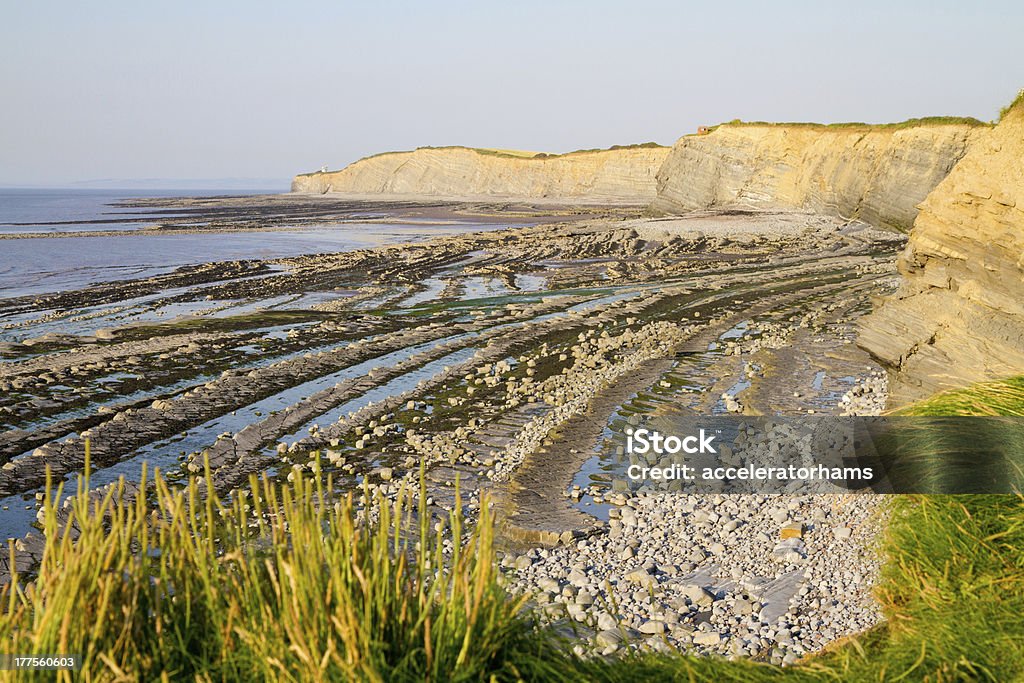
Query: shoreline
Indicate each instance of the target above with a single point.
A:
(474, 355)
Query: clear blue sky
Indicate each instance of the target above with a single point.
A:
(217, 89)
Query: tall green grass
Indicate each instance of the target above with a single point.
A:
(999, 398)
(952, 589)
(280, 583)
(952, 585)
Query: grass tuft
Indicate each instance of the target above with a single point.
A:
(280, 583)
(1003, 397)
(1017, 102)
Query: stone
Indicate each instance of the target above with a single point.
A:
(641, 577)
(653, 627)
(792, 530)
(707, 638)
(791, 550)
(577, 578)
(608, 637)
(697, 595)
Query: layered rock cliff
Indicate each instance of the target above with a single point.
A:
(878, 174)
(959, 316)
(615, 175)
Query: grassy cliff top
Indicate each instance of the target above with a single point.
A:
(1018, 103)
(860, 126)
(509, 153)
(842, 126)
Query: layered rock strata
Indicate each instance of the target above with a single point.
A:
(614, 175)
(876, 174)
(959, 315)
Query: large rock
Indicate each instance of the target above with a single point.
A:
(615, 175)
(876, 174)
(959, 315)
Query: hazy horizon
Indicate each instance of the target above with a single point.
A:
(261, 91)
(157, 184)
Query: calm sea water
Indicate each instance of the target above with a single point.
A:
(32, 266)
(33, 210)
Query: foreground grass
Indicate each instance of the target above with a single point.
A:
(286, 583)
(1004, 397)
(278, 584)
(953, 583)
(953, 592)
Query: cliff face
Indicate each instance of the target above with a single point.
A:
(959, 316)
(878, 175)
(618, 175)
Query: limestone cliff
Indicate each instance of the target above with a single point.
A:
(616, 175)
(959, 316)
(878, 174)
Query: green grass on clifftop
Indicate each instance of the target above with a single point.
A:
(1018, 102)
(860, 126)
(510, 154)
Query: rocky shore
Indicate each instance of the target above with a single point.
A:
(767, 577)
(498, 359)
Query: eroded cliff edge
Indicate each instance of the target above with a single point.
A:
(878, 174)
(622, 175)
(958, 317)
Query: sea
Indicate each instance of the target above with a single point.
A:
(34, 266)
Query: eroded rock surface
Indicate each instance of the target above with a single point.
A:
(625, 175)
(959, 316)
(876, 174)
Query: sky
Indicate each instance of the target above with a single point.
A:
(259, 91)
